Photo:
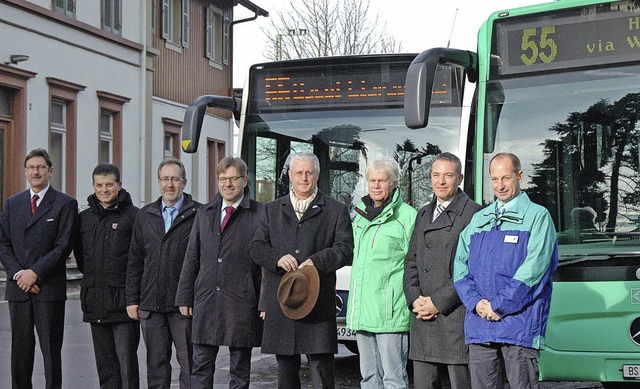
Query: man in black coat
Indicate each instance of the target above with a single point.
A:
(437, 329)
(158, 245)
(36, 237)
(220, 284)
(303, 228)
(101, 251)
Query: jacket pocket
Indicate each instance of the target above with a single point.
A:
(114, 297)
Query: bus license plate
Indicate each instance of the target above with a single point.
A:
(346, 334)
(631, 372)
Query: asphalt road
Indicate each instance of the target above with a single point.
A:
(79, 371)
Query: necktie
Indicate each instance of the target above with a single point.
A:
(169, 218)
(228, 211)
(438, 211)
(34, 204)
(499, 212)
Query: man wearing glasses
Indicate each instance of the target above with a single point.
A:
(220, 283)
(36, 237)
(158, 245)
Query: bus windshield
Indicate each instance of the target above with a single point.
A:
(574, 126)
(309, 106)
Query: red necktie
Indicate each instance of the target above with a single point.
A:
(228, 211)
(34, 204)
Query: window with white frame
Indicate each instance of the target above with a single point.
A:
(58, 142)
(175, 22)
(112, 16)
(217, 30)
(65, 7)
(105, 141)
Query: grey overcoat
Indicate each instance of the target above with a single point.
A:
(323, 234)
(428, 272)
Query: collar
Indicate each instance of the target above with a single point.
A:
(177, 205)
(41, 193)
(234, 205)
(308, 199)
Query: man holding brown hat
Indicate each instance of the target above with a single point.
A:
(302, 239)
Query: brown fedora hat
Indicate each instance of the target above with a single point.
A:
(298, 292)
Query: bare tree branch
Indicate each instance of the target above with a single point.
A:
(320, 28)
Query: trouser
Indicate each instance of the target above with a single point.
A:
(160, 330)
(204, 365)
(116, 349)
(321, 368)
(48, 319)
(383, 360)
(425, 375)
(489, 362)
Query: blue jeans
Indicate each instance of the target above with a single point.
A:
(383, 360)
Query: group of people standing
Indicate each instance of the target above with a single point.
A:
(450, 285)
(455, 286)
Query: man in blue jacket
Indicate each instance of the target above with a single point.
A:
(503, 271)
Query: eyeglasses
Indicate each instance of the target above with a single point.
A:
(300, 174)
(233, 179)
(34, 168)
(174, 180)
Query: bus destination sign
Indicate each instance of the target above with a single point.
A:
(585, 36)
(367, 85)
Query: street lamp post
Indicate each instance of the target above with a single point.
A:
(290, 32)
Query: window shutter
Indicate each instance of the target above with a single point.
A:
(208, 50)
(166, 19)
(226, 32)
(185, 23)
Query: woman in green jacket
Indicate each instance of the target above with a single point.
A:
(377, 308)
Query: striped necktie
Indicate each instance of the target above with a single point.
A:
(438, 211)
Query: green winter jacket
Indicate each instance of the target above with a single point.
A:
(376, 299)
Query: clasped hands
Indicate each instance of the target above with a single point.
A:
(424, 309)
(483, 308)
(290, 263)
(26, 280)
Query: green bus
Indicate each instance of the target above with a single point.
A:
(558, 84)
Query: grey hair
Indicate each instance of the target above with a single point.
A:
(387, 165)
(449, 158)
(173, 161)
(305, 156)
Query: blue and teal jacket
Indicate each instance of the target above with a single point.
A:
(508, 260)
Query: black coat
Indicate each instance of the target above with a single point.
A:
(428, 272)
(101, 251)
(323, 234)
(219, 279)
(155, 258)
(40, 242)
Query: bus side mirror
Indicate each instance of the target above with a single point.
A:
(421, 77)
(194, 116)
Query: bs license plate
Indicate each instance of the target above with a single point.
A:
(346, 334)
(631, 372)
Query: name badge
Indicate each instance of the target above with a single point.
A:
(511, 239)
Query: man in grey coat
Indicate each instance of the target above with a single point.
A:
(437, 329)
(303, 228)
(220, 283)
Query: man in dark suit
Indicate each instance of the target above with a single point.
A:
(158, 244)
(220, 284)
(36, 237)
(437, 329)
(303, 228)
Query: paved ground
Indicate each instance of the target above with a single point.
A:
(79, 371)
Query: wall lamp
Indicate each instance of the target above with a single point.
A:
(14, 59)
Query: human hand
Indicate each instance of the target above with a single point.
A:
(288, 263)
(483, 308)
(26, 279)
(263, 314)
(35, 289)
(132, 311)
(308, 262)
(424, 308)
(186, 311)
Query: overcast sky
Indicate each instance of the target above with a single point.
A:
(419, 24)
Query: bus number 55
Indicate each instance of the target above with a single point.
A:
(544, 47)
